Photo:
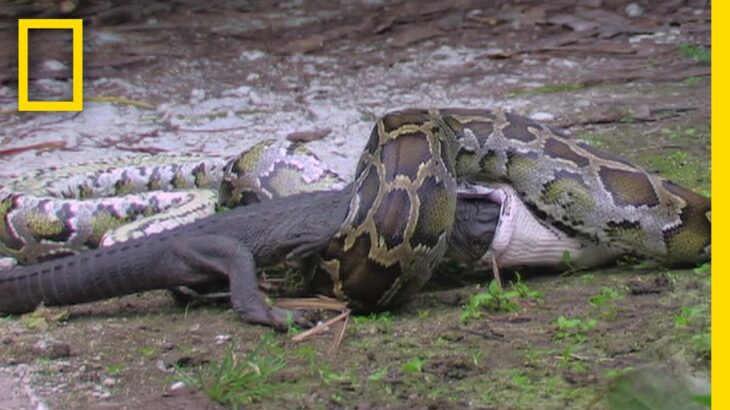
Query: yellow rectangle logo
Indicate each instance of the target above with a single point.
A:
(77, 29)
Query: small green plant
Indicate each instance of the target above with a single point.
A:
(441, 341)
(695, 52)
(382, 321)
(147, 351)
(496, 299)
(614, 373)
(677, 132)
(703, 399)
(414, 365)
(523, 290)
(531, 355)
(330, 376)
(672, 134)
(291, 325)
(309, 353)
(604, 302)
(679, 157)
(567, 262)
(687, 314)
(235, 381)
(692, 81)
(703, 269)
(519, 379)
(566, 356)
(474, 356)
(604, 296)
(493, 298)
(378, 375)
(702, 343)
(113, 369)
(627, 118)
(574, 329)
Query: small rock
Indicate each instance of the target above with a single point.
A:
(7, 263)
(308, 136)
(51, 349)
(495, 52)
(634, 10)
(109, 381)
(220, 339)
(54, 65)
(542, 116)
(197, 95)
(167, 346)
(253, 55)
(659, 284)
(161, 366)
(177, 386)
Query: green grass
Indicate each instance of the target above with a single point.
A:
(521, 388)
(681, 168)
(595, 140)
(693, 323)
(650, 388)
(382, 322)
(692, 81)
(695, 52)
(236, 381)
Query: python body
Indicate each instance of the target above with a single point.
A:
(402, 205)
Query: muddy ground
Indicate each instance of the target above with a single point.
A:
(630, 77)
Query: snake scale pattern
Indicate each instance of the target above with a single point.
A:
(403, 199)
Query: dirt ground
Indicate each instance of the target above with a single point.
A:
(217, 76)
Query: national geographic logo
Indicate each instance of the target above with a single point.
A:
(76, 26)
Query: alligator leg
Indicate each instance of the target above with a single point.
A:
(227, 256)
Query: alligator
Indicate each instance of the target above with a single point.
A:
(227, 246)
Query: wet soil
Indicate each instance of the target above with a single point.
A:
(629, 77)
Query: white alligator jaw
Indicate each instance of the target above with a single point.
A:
(521, 239)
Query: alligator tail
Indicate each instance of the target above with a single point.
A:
(117, 270)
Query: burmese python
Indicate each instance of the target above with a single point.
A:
(403, 199)
(404, 196)
(63, 210)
